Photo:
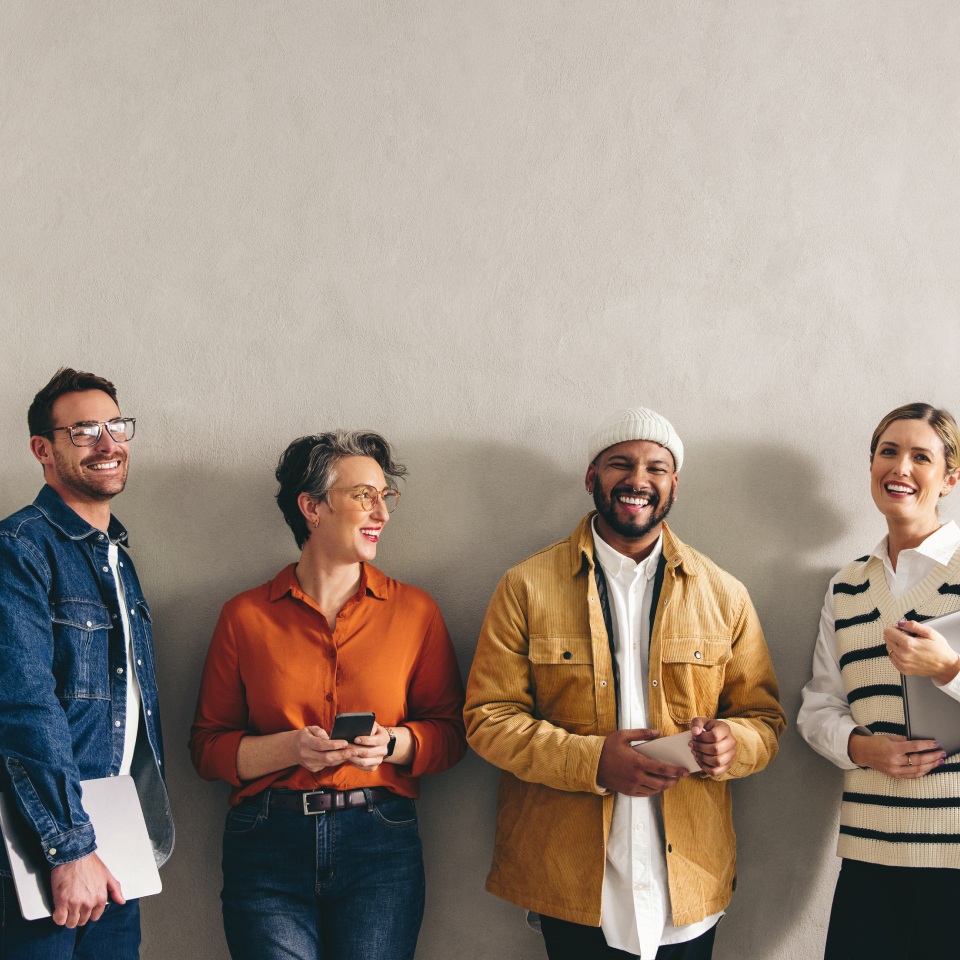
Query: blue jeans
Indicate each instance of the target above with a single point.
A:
(115, 936)
(344, 885)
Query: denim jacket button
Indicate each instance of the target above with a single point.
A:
(149, 713)
(106, 569)
(52, 851)
(89, 623)
(119, 669)
(139, 663)
(116, 723)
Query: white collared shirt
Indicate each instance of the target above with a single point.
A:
(635, 912)
(825, 720)
(133, 687)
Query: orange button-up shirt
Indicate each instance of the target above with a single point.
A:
(275, 665)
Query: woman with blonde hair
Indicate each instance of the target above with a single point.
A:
(899, 839)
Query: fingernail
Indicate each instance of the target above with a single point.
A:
(936, 744)
(901, 623)
(942, 761)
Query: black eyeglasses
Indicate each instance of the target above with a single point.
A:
(88, 433)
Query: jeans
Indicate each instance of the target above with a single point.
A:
(115, 936)
(893, 913)
(343, 885)
(574, 941)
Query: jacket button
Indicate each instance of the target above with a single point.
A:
(114, 616)
(139, 663)
(567, 655)
(89, 623)
(149, 713)
(53, 850)
(654, 682)
(698, 655)
(119, 669)
(99, 536)
(669, 848)
(329, 698)
(116, 723)
(603, 683)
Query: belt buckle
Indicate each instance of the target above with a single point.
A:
(306, 798)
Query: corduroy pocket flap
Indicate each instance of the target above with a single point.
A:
(706, 651)
(560, 650)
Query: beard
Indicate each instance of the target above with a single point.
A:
(71, 474)
(629, 528)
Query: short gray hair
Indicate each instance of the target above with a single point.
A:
(309, 465)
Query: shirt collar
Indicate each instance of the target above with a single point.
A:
(615, 563)
(70, 523)
(940, 546)
(373, 582)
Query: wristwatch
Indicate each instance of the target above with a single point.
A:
(391, 743)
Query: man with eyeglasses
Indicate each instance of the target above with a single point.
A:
(78, 694)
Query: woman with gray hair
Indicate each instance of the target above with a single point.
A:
(321, 854)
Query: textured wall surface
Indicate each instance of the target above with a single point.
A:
(479, 227)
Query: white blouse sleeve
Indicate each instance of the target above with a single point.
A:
(825, 720)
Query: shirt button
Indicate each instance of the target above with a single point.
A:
(634, 590)
(131, 611)
(149, 713)
(105, 569)
(53, 850)
(639, 886)
(639, 826)
(116, 723)
(99, 536)
(89, 623)
(119, 669)
(121, 563)
(329, 698)
(654, 682)
(114, 616)
(139, 663)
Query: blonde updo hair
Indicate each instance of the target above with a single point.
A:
(942, 422)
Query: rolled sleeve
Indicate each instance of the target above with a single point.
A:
(222, 716)
(435, 704)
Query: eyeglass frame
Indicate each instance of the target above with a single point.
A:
(100, 424)
(378, 495)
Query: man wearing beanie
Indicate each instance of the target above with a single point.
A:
(619, 634)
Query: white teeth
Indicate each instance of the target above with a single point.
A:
(899, 488)
(634, 501)
(106, 466)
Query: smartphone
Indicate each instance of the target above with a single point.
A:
(349, 726)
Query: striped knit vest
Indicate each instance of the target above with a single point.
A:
(907, 823)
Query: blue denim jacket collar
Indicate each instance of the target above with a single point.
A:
(70, 523)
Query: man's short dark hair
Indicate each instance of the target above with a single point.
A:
(65, 380)
(309, 465)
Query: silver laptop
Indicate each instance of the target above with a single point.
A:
(122, 844)
(930, 713)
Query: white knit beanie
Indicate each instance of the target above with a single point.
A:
(636, 423)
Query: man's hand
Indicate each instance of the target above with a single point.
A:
(81, 890)
(714, 745)
(625, 771)
(895, 755)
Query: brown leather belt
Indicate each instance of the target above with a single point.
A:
(312, 802)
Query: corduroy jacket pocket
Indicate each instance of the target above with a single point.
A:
(563, 678)
(693, 670)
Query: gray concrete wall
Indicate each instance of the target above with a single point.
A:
(479, 227)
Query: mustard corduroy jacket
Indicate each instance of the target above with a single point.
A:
(541, 699)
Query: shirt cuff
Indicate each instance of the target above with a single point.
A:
(70, 846)
(951, 689)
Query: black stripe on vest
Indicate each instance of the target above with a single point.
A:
(886, 726)
(867, 653)
(916, 617)
(862, 559)
(947, 588)
(875, 690)
(900, 837)
(945, 768)
(850, 588)
(874, 614)
(879, 801)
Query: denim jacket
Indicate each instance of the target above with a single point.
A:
(63, 677)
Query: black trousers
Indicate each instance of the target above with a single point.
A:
(574, 941)
(893, 913)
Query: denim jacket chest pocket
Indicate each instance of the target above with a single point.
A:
(81, 632)
(693, 674)
(563, 677)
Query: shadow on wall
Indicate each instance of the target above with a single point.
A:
(759, 512)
